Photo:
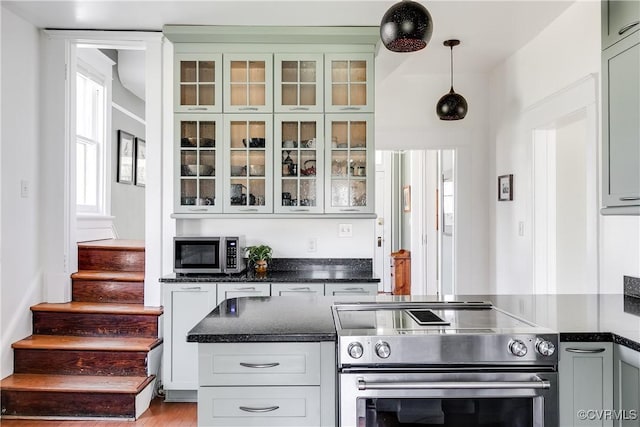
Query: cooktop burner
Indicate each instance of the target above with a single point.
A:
(427, 317)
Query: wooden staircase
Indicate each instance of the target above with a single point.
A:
(96, 356)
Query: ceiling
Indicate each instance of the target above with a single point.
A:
(490, 31)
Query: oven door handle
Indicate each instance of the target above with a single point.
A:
(453, 385)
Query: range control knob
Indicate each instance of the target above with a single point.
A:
(544, 347)
(383, 350)
(517, 348)
(355, 350)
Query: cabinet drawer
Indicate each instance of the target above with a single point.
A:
(260, 364)
(227, 290)
(263, 406)
(285, 289)
(338, 289)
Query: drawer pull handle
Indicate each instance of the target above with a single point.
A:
(197, 109)
(248, 109)
(259, 365)
(306, 289)
(350, 108)
(628, 27)
(267, 409)
(628, 199)
(299, 109)
(586, 350)
(198, 209)
(250, 288)
(192, 288)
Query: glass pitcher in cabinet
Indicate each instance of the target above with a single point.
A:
(298, 157)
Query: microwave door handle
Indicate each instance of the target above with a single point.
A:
(453, 385)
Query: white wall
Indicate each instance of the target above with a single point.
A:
(564, 53)
(21, 276)
(406, 119)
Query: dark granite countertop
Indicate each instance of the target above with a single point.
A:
(292, 270)
(584, 317)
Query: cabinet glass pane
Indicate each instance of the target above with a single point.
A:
(238, 192)
(188, 134)
(358, 94)
(308, 134)
(238, 132)
(238, 163)
(207, 192)
(258, 130)
(358, 164)
(188, 193)
(188, 71)
(257, 163)
(207, 72)
(308, 193)
(340, 193)
(257, 94)
(239, 72)
(188, 94)
(307, 94)
(339, 163)
(289, 71)
(339, 71)
(339, 134)
(289, 94)
(257, 72)
(290, 135)
(308, 72)
(188, 163)
(207, 134)
(358, 134)
(358, 71)
(207, 163)
(238, 94)
(340, 94)
(207, 94)
(289, 192)
(256, 192)
(308, 163)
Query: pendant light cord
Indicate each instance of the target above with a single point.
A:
(451, 67)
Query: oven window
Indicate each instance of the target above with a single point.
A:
(489, 412)
(199, 255)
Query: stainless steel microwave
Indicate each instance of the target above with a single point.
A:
(208, 255)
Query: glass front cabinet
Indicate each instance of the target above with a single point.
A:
(349, 83)
(248, 163)
(299, 83)
(198, 83)
(248, 83)
(298, 163)
(198, 162)
(350, 168)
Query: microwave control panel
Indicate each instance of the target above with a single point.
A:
(232, 254)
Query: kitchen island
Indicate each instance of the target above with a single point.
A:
(247, 328)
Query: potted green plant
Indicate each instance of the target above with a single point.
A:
(259, 256)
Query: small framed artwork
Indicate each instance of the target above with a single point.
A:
(505, 188)
(141, 162)
(125, 157)
(406, 198)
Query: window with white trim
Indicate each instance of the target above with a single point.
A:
(91, 111)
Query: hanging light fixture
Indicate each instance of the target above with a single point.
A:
(406, 27)
(452, 106)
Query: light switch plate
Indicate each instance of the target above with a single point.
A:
(345, 230)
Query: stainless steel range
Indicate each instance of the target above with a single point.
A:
(443, 364)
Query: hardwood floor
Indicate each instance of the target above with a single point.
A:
(159, 414)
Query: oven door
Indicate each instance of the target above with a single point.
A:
(514, 399)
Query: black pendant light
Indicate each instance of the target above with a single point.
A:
(452, 106)
(406, 27)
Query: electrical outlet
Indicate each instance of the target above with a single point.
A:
(312, 245)
(345, 230)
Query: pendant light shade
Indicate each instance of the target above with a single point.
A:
(452, 106)
(406, 27)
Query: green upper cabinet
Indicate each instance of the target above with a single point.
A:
(248, 83)
(299, 83)
(198, 83)
(621, 126)
(349, 83)
(620, 18)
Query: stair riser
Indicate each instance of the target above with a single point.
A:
(95, 324)
(108, 292)
(52, 404)
(72, 362)
(110, 259)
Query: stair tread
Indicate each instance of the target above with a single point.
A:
(115, 244)
(74, 383)
(68, 342)
(116, 276)
(97, 307)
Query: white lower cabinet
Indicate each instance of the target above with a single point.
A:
(626, 381)
(344, 289)
(267, 384)
(284, 289)
(185, 304)
(236, 290)
(586, 383)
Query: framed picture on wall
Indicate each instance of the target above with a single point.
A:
(505, 188)
(125, 157)
(141, 160)
(406, 198)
